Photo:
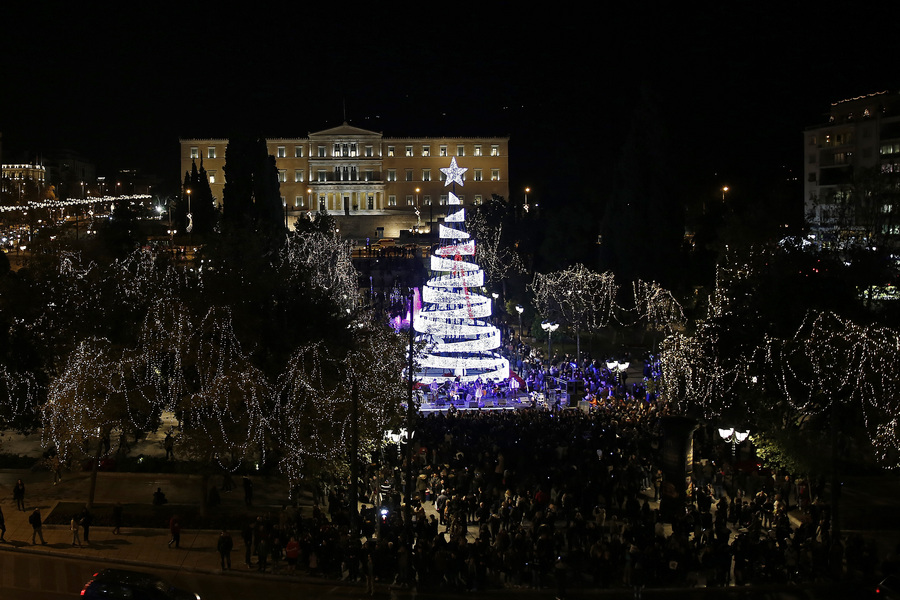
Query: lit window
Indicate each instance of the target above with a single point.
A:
(298, 200)
(298, 175)
(211, 152)
(477, 175)
(280, 152)
(443, 200)
(426, 150)
(369, 175)
(477, 200)
(409, 174)
(212, 176)
(298, 151)
(426, 200)
(369, 153)
(495, 174)
(321, 201)
(282, 175)
(409, 200)
(321, 151)
(462, 198)
(390, 150)
(426, 174)
(460, 150)
(495, 150)
(322, 175)
(443, 150)
(392, 175)
(392, 200)
(195, 152)
(409, 150)
(477, 150)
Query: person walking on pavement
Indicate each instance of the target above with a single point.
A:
(117, 518)
(224, 547)
(73, 527)
(175, 529)
(87, 519)
(36, 523)
(248, 491)
(19, 495)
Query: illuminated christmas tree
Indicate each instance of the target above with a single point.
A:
(460, 343)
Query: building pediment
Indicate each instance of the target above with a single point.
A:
(345, 131)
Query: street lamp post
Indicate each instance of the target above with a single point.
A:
(549, 327)
(618, 368)
(734, 436)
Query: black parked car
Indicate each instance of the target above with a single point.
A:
(119, 584)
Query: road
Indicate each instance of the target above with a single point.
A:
(31, 576)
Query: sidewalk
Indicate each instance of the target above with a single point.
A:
(139, 547)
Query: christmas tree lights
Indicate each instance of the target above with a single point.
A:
(460, 344)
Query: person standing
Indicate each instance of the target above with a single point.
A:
(169, 445)
(73, 527)
(19, 495)
(37, 525)
(175, 530)
(224, 547)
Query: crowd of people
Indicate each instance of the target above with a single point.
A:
(543, 498)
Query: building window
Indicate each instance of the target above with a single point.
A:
(369, 152)
(443, 200)
(495, 174)
(390, 150)
(298, 151)
(280, 152)
(370, 202)
(477, 150)
(462, 198)
(212, 176)
(392, 200)
(298, 175)
(409, 151)
(477, 175)
(298, 200)
(409, 174)
(442, 177)
(495, 150)
(211, 152)
(426, 174)
(322, 175)
(282, 175)
(392, 175)
(195, 152)
(369, 176)
(460, 150)
(443, 150)
(426, 200)
(321, 151)
(321, 201)
(409, 200)
(477, 200)
(426, 150)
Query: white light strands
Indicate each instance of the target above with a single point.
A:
(459, 343)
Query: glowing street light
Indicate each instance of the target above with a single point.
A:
(724, 189)
(549, 327)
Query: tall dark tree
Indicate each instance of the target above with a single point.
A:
(251, 197)
(199, 203)
(643, 229)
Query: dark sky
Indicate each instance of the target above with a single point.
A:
(736, 82)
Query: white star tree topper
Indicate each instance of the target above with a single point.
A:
(454, 173)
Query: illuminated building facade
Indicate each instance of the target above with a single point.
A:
(860, 134)
(355, 172)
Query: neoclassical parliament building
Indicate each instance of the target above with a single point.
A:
(354, 173)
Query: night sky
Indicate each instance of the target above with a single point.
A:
(735, 82)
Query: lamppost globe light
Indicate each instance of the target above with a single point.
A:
(520, 309)
(726, 433)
